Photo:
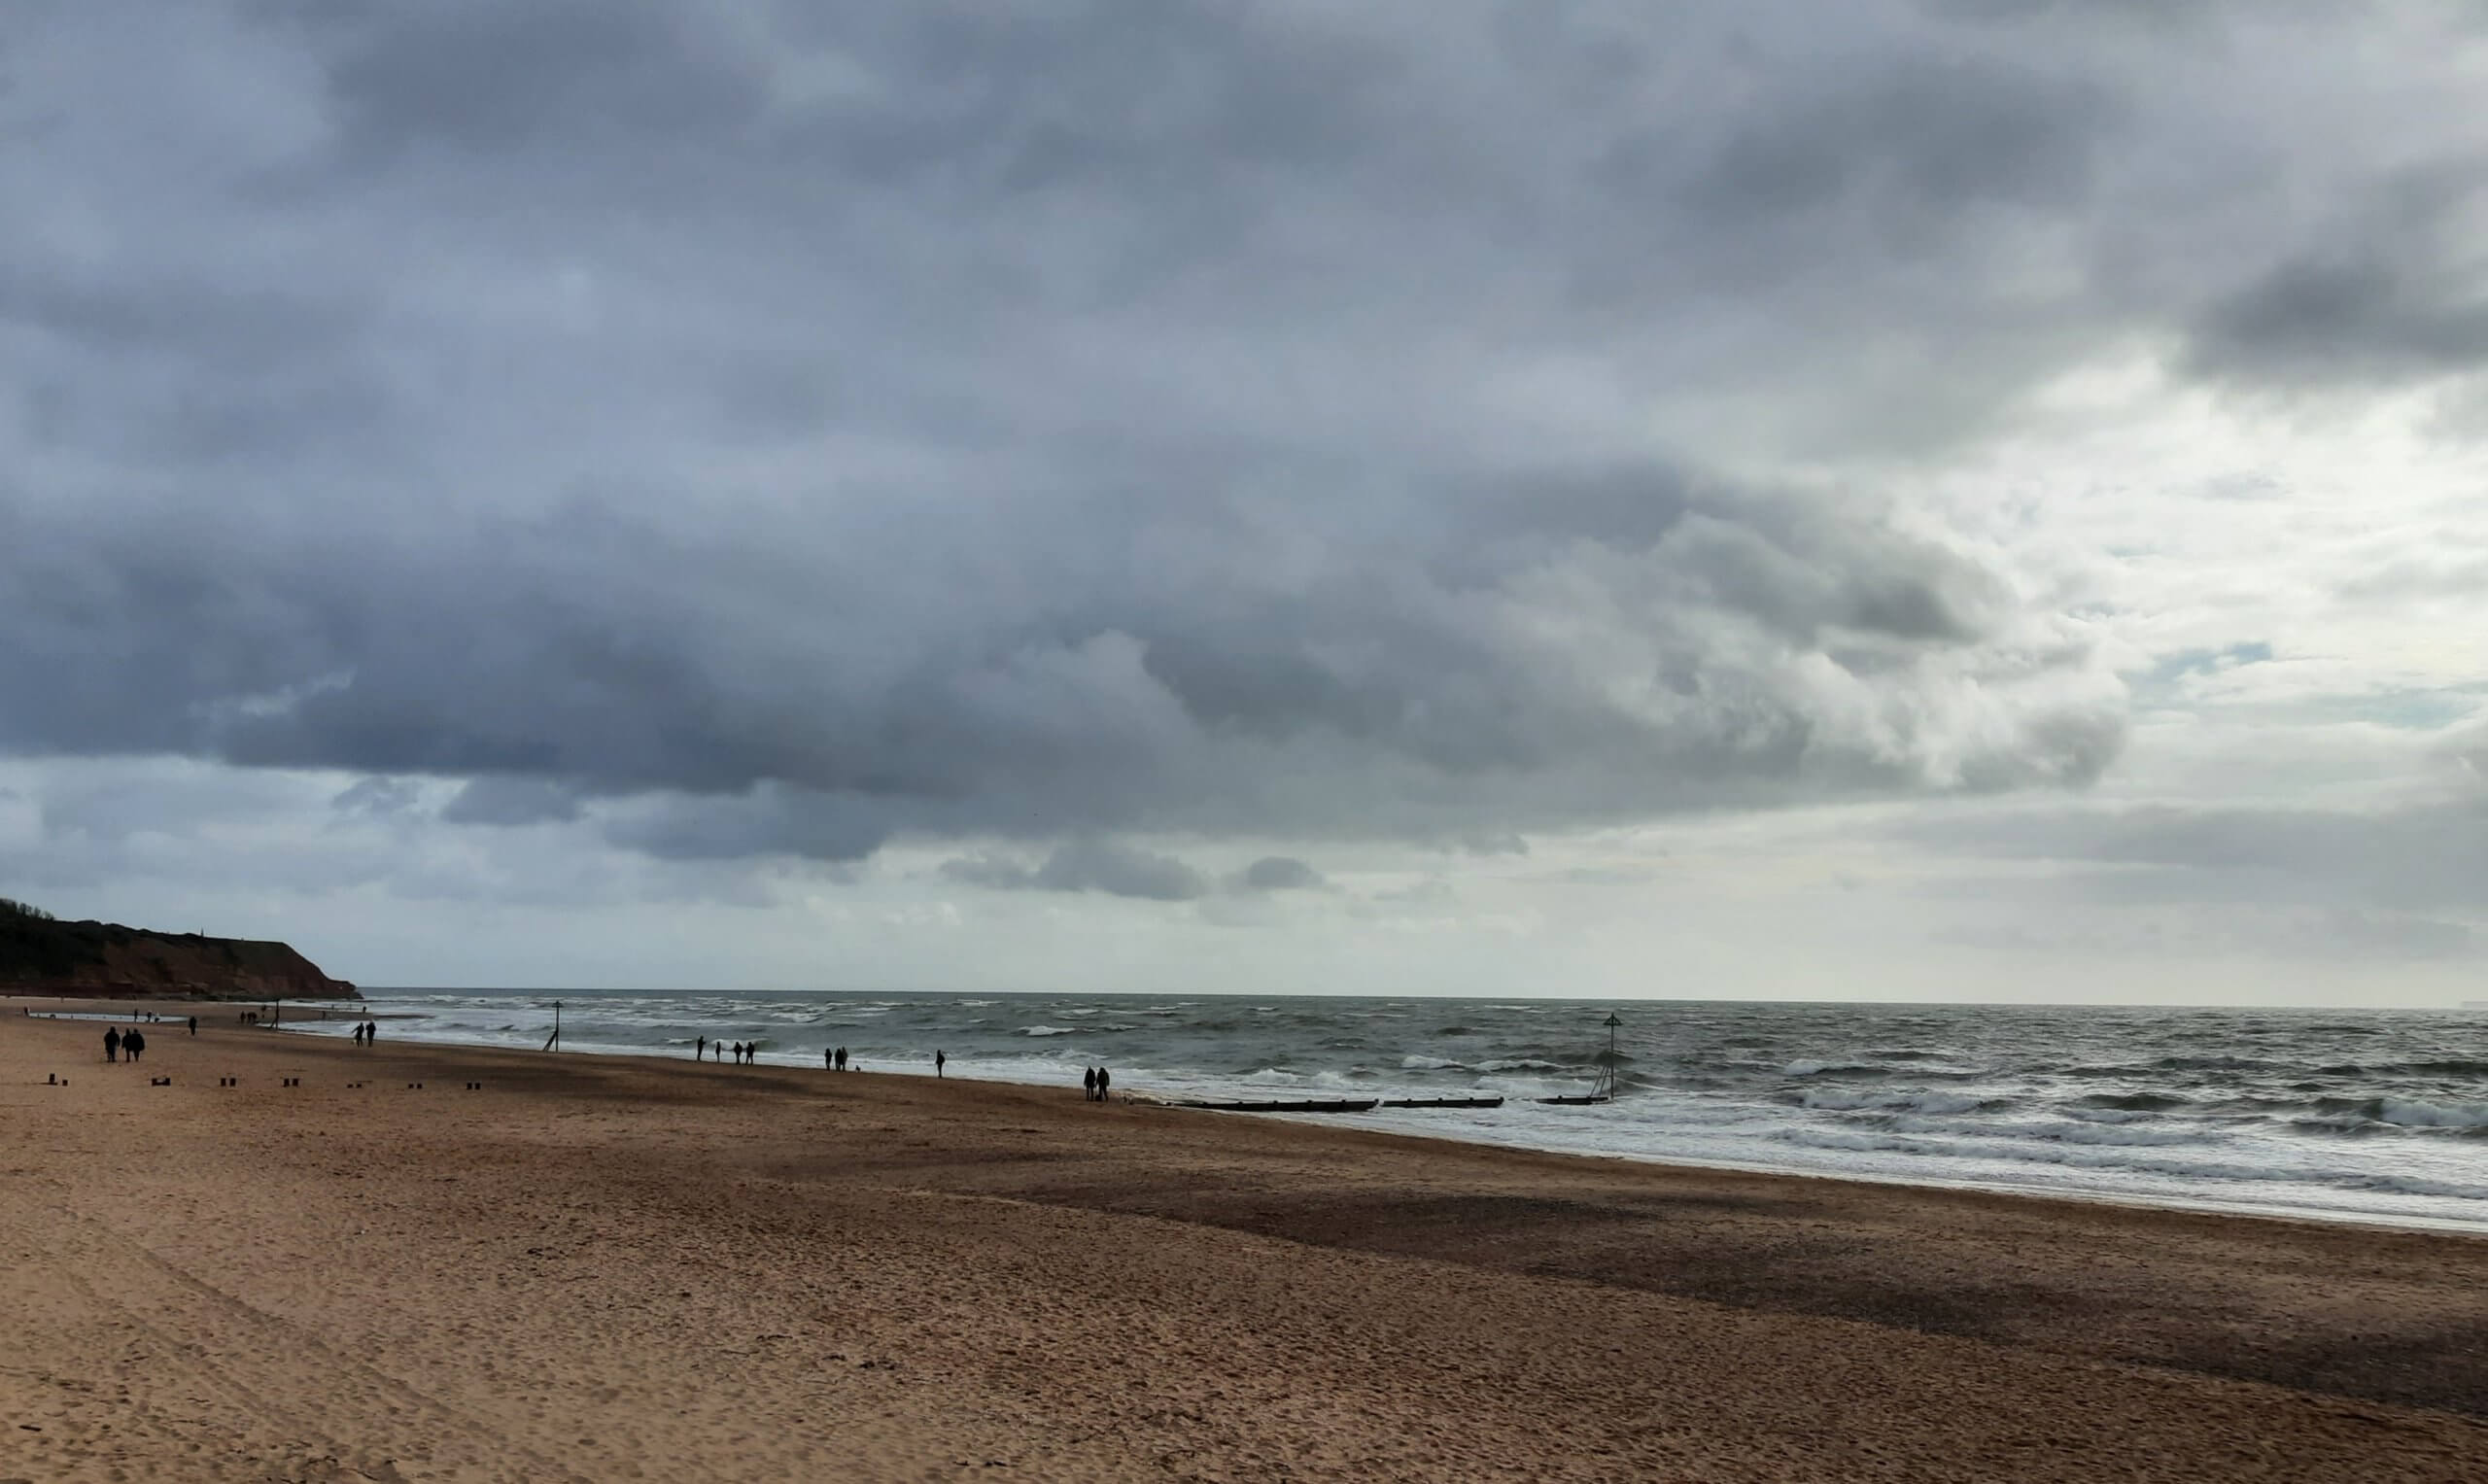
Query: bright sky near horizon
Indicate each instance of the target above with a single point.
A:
(1960, 500)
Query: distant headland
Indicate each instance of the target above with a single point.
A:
(41, 954)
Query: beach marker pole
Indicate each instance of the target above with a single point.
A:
(553, 1042)
(1607, 1076)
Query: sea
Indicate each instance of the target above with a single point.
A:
(2350, 1115)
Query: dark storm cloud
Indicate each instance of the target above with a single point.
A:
(765, 428)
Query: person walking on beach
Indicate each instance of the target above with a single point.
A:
(193, 1026)
(111, 1044)
(938, 1061)
(1103, 1082)
(133, 1043)
(1088, 1085)
(841, 1059)
(828, 1059)
(700, 1050)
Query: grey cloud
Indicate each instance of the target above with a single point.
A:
(766, 819)
(781, 430)
(2353, 319)
(495, 799)
(491, 79)
(1281, 873)
(1939, 136)
(1088, 865)
(1377, 691)
(2341, 935)
(381, 797)
(2414, 857)
(2392, 289)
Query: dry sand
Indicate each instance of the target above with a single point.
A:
(638, 1269)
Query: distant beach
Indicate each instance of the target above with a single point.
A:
(613, 1267)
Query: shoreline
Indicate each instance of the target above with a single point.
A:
(2321, 1216)
(599, 1266)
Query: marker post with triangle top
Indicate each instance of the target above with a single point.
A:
(1603, 1090)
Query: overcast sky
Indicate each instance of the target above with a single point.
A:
(1976, 499)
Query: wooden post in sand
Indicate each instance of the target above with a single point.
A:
(553, 1042)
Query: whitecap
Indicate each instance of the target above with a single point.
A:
(2410, 1113)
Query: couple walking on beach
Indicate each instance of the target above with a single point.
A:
(835, 1058)
(1093, 1082)
(366, 1033)
(113, 1041)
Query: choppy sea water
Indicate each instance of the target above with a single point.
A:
(2360, 1115)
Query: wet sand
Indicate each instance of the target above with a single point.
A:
(628, 1269)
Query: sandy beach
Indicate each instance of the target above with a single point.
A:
(610, 1268)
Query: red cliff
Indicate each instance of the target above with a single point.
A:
(40, 955)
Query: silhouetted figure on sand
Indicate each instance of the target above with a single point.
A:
(938, 1061)
(133, 1043)
(111, 1044)
(1103, 1083)
(828, 1059)
(193, 1026)
(1088, 1085)
(841, 1059)
(700, 1050)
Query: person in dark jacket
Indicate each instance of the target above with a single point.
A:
(111, 1044)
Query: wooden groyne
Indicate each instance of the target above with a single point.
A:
(1364, 1105)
